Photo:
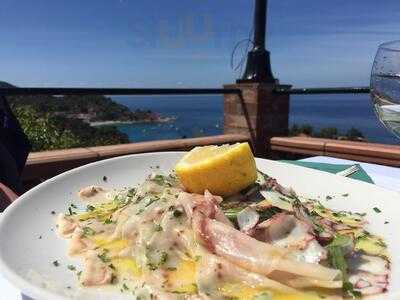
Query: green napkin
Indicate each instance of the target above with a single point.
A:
(332, 168)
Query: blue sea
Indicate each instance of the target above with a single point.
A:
(198, 116)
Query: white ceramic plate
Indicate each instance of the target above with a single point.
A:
(28, 244)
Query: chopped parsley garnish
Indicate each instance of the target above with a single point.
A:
(364, 235)
(268, 213)
(90, 208)
(318, 228)
(152, 200)
(193, 287)
(138, 199)
(361, 214)
(139, 211)
(345, 195)
(339, 214)
(377, 210)
(262, 296)
(153, 265)
(131, 193)
(336, 256)
(328, 197)
(197, 258)
(125, 287)
(158, 227)
(386, 222)
(108, 221)
(113, 279)
(159, 179)
(284, 199)
(71, 267)
(56, 263)
(104, 258)
(164, 257)
(87, 231)
(177, 213)
(73, 206)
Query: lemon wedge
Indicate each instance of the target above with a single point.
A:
(223, 170)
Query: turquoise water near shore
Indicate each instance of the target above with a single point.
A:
(203, 115)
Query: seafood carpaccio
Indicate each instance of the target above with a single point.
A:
(157, 241)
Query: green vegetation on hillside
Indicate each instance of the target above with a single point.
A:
(352, 134)
(43, 132)
(49, 132)
(90, 108)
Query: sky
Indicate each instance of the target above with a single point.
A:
(188, 43)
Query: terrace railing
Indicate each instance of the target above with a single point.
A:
(359, 151)
(323, 90)
(113, 91)
(43, 165)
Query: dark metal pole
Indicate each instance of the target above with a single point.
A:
(260, 21)
(258, 66)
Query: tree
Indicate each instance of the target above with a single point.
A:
(294, 131)
(354, 134)
(43, 132)
(49, 132)
(328, 133)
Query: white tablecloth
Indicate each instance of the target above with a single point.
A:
(383, 176)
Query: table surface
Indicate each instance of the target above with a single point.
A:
(386, 177)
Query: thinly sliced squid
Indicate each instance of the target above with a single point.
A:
(251, 254)
(78, 244)
(94, 194)
(95, 271)
(369, 274)
(213, 270)
(286, 231)
(207, 204)
(278, 200)
(304, 282)
(180, 245)
(247, 219)
(369, 284)
(65, 225)
(367, 263)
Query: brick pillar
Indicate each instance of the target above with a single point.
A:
(258, 112)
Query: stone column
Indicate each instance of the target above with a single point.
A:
(258, 113)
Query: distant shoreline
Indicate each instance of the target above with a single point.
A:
(108, 123)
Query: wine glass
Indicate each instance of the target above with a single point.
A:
(385, 85)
